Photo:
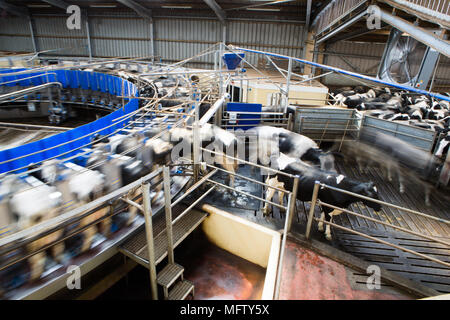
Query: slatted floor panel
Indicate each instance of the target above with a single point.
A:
(429, 273)
(413, 198)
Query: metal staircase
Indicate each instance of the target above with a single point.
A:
(151, 245)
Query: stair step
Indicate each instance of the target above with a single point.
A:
(181, 290)
(167, 276)
(136, 247)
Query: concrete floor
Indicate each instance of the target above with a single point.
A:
(307, 275)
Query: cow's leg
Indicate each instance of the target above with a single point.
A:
(37, 261)
(132, 209)
(281, 199)
(105, 224)
(329, 217)
(58, 249)
(88, 234)
(320, 225)
(427, 196)
(359, 161)
(389, 171)
(231, 167)
(328, 231)
(401, 182)
(37, 265)
(269, 195)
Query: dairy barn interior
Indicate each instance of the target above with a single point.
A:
(224, 149)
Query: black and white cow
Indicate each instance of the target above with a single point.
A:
(307, 178)
(212, 138)
(402, 107)
(30, 202)
(419, 162)
(275, 140)
(443, 147)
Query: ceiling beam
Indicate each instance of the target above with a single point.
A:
(217, 9)
(356, 33)
(260, 4)
(139, 9)
(18, 11)
(58, 3)
(308, 14)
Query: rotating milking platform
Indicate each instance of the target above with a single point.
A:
(242, 201)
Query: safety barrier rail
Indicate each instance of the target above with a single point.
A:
(434, 9)
(316, 201)
(333, 12)
(20, 157)
(290, 207)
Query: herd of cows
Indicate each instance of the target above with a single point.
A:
(399, 106)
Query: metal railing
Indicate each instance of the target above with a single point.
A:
(321, 129)
(52, 225)
(438, 9)
(292, 196)
(316, 201)
(333, 12)
(276, 119)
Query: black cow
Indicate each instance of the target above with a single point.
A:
(307, 177)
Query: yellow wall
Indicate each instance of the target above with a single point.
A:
(247, 240)
(262, 95)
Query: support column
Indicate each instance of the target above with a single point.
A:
(33, 39)
(168, 209)
(152, 43)
(309, 55)
(149, 235)
(88, 37)
(320, 57)
(224, 33)
(288, 82)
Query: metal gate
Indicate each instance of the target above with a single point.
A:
(418, 137)
(328, 124)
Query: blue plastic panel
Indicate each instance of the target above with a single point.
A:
(245, 107)
(63, 145)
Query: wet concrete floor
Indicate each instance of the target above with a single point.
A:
(216, 274)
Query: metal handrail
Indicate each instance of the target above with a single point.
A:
(316, 201)
(94, 141)
(385, 203)
(383, 223)
(247, 194)
(72, 213)
(386, 243)
(249, 179)
(248, 162)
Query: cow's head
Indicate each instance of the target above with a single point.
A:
(370, 190)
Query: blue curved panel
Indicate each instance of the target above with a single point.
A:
(63, 145)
